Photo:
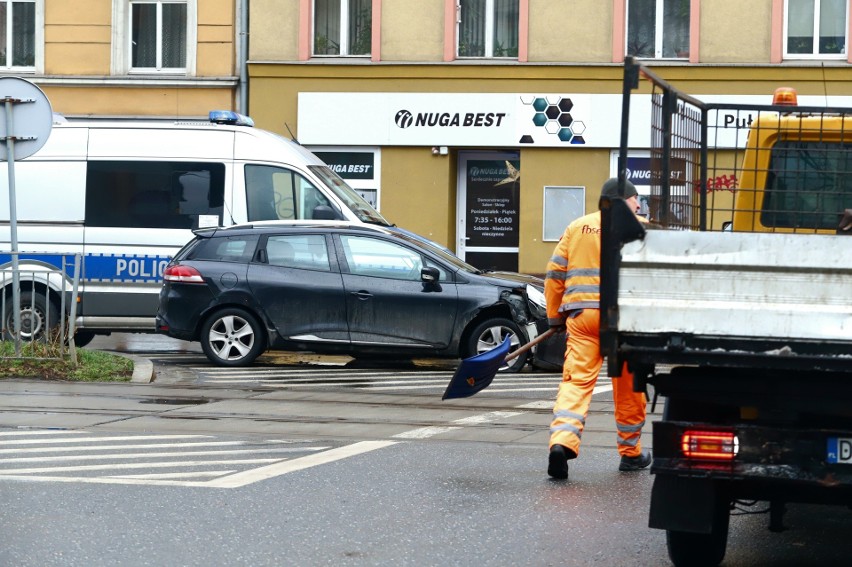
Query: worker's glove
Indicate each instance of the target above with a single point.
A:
(558, 327)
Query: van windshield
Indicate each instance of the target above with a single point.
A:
(353, 201)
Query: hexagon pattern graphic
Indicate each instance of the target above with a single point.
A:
(553, 113)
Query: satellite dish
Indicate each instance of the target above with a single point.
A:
(32, 120)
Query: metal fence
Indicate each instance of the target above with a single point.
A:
(745, 167)
(48, 285)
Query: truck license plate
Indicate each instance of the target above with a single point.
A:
(839, 450)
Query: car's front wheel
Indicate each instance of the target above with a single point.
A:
(232, 337)
(491, 333)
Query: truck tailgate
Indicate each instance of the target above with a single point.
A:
(790, 287)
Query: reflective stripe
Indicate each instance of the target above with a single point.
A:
(569, 415)
(566, 427)
(587, 288)
(584, 272)
(632, 442)
(626, 428)
(556, 275)
(579, 306)
(559, 261)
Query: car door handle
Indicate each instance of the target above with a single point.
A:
(363, 295)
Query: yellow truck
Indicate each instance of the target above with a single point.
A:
(736, 310)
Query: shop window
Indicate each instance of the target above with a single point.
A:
(154, 36)
(815, 29)
(658, 29)
(488, 28)
(343, 27)
(18, 33)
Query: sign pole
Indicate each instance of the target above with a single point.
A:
(13, 221)
(34, 112)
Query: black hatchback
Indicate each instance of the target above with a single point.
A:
(359, 290)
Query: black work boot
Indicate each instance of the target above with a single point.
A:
(557, 462)
(636, 463)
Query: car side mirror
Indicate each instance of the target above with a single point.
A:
(429, 274)
(323, 212)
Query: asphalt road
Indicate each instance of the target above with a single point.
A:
(309, 468)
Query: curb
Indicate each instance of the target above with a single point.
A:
(143, 368)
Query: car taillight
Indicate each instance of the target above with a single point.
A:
(716, 445)
(182, 274)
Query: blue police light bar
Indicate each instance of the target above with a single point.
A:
(230, 117)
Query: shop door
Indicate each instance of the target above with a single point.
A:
(488, 206)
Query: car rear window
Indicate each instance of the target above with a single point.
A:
(225, 249)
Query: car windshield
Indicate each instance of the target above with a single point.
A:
(444, 256)
(353, 201)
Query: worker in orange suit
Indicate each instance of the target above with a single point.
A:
(572, 289)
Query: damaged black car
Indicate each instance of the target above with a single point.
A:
(338, 288)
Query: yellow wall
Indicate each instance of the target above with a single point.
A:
(540, 167)
(78, 48)
(274, 30)
(733, 31)
(571, 31)
(124, 101)
(412, 31)
(418, 192)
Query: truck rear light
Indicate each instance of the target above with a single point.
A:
(182, 274)
(716, 445)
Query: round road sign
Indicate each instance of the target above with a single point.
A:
(32, 117)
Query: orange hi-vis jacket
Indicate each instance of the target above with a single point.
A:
(570, 291)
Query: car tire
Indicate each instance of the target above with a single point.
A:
(36, 312)
(490, 334)
(232, 337)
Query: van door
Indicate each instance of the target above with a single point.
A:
(488, 205)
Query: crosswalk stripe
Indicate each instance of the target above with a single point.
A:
(183, 454)
(146, 465)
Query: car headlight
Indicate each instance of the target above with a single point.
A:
(536, 296)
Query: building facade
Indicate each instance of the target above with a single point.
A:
(488, 125)
(126, 58)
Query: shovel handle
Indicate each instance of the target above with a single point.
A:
(524, 348)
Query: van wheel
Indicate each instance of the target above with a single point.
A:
(232, 337)
(36, 313)
(490, 334)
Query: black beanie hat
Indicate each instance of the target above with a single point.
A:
(610, 188)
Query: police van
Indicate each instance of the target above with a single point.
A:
(126, 196)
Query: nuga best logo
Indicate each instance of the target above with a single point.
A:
(406, 119)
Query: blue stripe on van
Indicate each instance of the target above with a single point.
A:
(103, 267)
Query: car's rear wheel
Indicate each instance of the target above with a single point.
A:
(491, 333)
(232, 337)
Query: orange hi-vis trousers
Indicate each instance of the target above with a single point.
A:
(583, 363)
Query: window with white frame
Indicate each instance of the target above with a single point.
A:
(343, 27)
(17, 34)
(154, 36)
(658, 29)
(815, 29)
(487, 28)
(158, 35)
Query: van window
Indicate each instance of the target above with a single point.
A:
(808, 186)
(275, 193)
(153, 194)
